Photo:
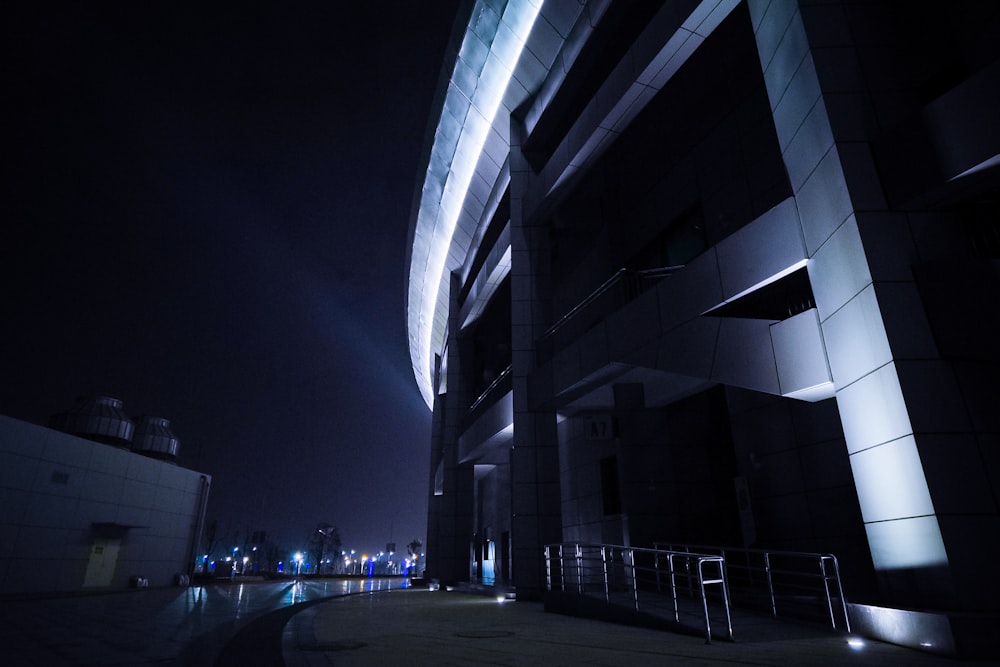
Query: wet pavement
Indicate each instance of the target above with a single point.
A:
(168, 626)
(315, 623)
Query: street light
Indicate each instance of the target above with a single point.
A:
(298, 563)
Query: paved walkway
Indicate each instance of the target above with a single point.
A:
(167, 626)
(417, 627)
(375, 622)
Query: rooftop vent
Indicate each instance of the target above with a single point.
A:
(154, 438)
(97, 418)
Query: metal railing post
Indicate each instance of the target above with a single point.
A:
(579, 568)
(840, 590)
(548, 569)
(794, 571)
(770, 583)
(604, 560)
(656, 570)
(562, 569)
(673, 586)
(826, 589)
(721, 562)
(635, 578)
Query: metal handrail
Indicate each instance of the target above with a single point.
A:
(635, 283)
(824, 567)
(585, 565)
(493, 385)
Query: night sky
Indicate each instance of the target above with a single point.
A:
(206, 210)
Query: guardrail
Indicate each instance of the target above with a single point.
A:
(610, 570)
(793, 582)
(618, 290)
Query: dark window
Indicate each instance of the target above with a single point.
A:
(610, 491)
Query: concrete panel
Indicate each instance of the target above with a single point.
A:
(969, 536)
(139, 494)
(905, 322)
(144, 468)
(979, 388)
(770, 19)
(51, 511)
(817, 422)
(855, 339)
(130, 515)
(800, 355)
(890, 481)
(103, 488)
(18, 471)
(110, 460)
(766, 247)
(956, 476)
(778, 474)
(872, 410)
(632, 327)
(764, 430)
(21, 437)
(12, 505)
(906, 543)
(68, 450)
(690, 349)
(811, 136)
(744, 356)
(833, 511)
(839, 270)
(824, 201)
(932, 397)
(691, 291)
(826, 465)
(790, 48)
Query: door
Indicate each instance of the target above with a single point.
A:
(102, 563)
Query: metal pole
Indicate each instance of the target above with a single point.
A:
(770, 583)
(604, 560)
(635, 580)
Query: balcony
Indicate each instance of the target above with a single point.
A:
(621, 288)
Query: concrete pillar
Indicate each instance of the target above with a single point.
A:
(451, 507)
(903, 414)
(536, 517)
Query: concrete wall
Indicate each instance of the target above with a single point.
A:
(76, 513)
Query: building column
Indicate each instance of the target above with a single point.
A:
(451, 506)
(837, 193)
(536, 518)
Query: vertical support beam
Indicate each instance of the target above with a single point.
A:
(450, 514)
(836, 189)
(536, 517)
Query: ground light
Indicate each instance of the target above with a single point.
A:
(855, 643)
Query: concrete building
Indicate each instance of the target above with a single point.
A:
(100, 506)
(666, 255)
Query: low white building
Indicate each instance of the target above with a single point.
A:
(76, 513)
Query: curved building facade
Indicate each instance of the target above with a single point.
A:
(669, 255)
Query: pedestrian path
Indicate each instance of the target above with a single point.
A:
(417, 627)
(190, 626)
(348, 623)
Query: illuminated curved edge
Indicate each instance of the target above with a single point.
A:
(446, 185)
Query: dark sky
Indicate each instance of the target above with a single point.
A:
(206, 209)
